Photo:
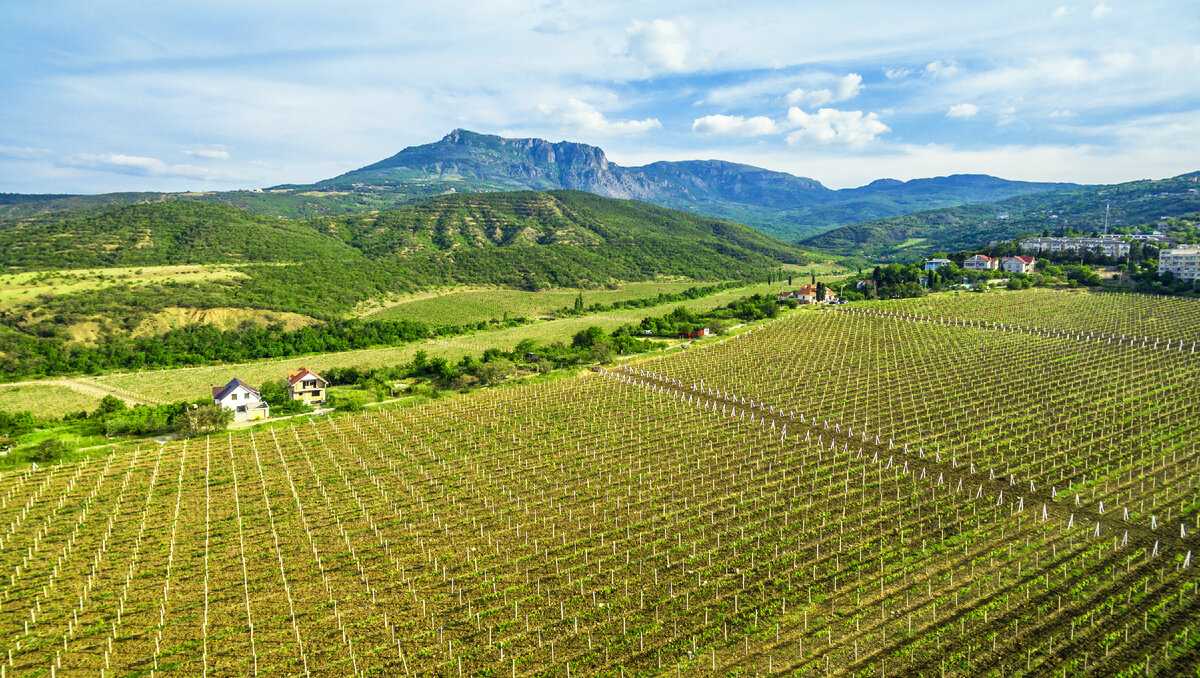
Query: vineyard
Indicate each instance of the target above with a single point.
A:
(837, 492)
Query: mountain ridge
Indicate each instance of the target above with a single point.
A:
(779, 203)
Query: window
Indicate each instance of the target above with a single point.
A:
(241, 408)
(233, 396)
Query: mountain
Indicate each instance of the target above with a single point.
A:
(323, 267)
(778, 203)
(1129, 204)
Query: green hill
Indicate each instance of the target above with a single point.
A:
(323, 268)
(1130, 204)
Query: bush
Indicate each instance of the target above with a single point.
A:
(202, 419)
(47, 451)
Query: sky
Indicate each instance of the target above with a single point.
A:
(122, 96)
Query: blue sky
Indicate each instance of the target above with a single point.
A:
(211, 96)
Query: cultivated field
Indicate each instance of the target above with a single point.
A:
(1109, 313)
(472, 305)
(834, 493)
(189, 383)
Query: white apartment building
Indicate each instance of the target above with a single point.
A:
(1109, 247)
(1183, 262)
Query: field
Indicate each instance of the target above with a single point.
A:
(22, 288)
(189, 383)
(835, 492)
(1116, 314)
(460, 307)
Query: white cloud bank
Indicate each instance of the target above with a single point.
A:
(580, 116)
(847, 87)
(659, 45)
(962, 111)
(832, 126)
(734, 125)
(134, 165)
(209, 153)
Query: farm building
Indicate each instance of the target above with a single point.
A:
(698, 333)
(245, 402)
(981, 262)
(1021, 264)
(808, 295)
(307, 386)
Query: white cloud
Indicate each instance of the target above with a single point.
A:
(833, 126)
(734, 125)
(1061, 11)
(897, 73)
(1060, 113)
(660, 44)
(209, 153)
(1101, 10)
(578, 115)
(134, 165)
(23, 152)
(941, 69)
(847, 87)
(962, 111)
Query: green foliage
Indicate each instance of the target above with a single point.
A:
(202, 419)
(47, 451)
(973, 226)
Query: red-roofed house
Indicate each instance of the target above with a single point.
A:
(307, 386)
(981, 262)
(1022, 264)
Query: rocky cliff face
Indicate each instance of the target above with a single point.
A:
(779, 203)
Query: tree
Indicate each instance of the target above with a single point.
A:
(202, 419)
(821, 291)
(579, 303)
(47, 451)
(108, 405)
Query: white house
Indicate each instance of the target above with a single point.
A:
(1112, 247)
(1020, 264)
(981, 262)
(245, 402)
(1182, 262)
(935, 264)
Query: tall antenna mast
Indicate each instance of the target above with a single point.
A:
(1106, 206)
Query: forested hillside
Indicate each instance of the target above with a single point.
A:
(323, 268)
(969, 226)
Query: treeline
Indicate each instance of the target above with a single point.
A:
(203, 344)
(645, 302)
(682, 321)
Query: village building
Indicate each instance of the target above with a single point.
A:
(245, 402)
(981, 262)
(935, 264)
(698, 333)
(807, 294)
(1108, 246)
(1182, 262)
(1021, 264)
(307, 386)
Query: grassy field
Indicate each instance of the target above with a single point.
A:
(831, 493)
(22, 288)
(48, 400)
(471, 305)
(192, 382)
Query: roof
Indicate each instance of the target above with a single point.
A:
(219, 392)
(982, 257)
(938, 261)
(1024, 259)
(301, 373)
